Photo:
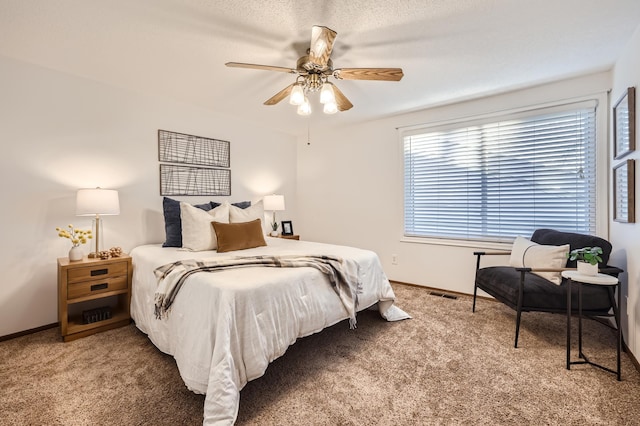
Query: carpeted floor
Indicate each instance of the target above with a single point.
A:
(444, 366)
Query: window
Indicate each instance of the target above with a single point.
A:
(496, 179)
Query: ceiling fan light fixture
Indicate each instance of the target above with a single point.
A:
(305, 107)
(330, 108)
(326, 94)
(297, 95)
(314, 69)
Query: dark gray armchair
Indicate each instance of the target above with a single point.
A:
(524, 291)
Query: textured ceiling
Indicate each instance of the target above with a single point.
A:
(450, 50)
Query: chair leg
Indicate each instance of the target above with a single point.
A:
(475, 282)
(519, 306)
(518, 314)
(475, 293)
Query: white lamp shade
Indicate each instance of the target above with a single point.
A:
(330, 108)
(326, 94)
(305, 107)
(97, 201)
(273, 202)
(297, 94)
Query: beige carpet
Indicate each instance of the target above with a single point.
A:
(445, 366)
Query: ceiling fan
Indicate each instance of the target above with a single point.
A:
(313, 71)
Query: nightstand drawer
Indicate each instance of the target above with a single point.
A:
(75, 290)
(95, 272)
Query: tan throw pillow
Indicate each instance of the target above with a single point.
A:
(239, 236)
(526, 253)
(197, 234)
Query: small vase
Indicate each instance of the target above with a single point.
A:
(585, 268)
(274, 233)
(75, 254)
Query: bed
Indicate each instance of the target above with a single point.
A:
(225, 327)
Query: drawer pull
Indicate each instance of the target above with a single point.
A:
(96, 272)
(99, 286)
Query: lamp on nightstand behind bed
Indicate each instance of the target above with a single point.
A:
(274, 203)
(97, 201)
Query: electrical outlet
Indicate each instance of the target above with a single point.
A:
(626, 302)
(394, 259)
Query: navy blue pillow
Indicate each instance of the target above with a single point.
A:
(173, 223)
(242, 204)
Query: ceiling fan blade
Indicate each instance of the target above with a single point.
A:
(280, 95)
(322, 39)
(260, 67)
(386, 74)
(341, 100)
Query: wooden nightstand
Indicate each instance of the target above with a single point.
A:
(289, 237)
(93, 295)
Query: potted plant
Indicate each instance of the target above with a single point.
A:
(587, 259)
(274, 227)
(77, 237)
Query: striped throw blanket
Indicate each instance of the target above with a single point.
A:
(342, 274)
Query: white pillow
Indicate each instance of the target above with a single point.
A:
(526, 253)
(253, 212)
(197, 232)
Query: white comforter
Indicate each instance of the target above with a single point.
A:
(224, 328)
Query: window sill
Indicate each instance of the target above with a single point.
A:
(458, 243)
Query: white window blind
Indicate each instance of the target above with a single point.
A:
(496, 180)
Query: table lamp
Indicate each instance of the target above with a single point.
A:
(274, 203)
(97, 201)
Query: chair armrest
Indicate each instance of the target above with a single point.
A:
(525, 269)
(483, 253)
(604, 270)
(479, 254)
(610, 270)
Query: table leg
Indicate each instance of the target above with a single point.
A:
(580, 355)
(617, 313)
(569, 324)
(612, 286)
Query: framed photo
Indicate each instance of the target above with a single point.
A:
(624, 124)
(287, 228)
(624, 197)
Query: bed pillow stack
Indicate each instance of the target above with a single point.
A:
(189, 226)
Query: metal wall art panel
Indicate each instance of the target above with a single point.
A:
(624, 192)
(624, 124)
(188, 149)
(185, 180)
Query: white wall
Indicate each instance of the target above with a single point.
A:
(350, 185)
(625, 237)
(60, 133)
